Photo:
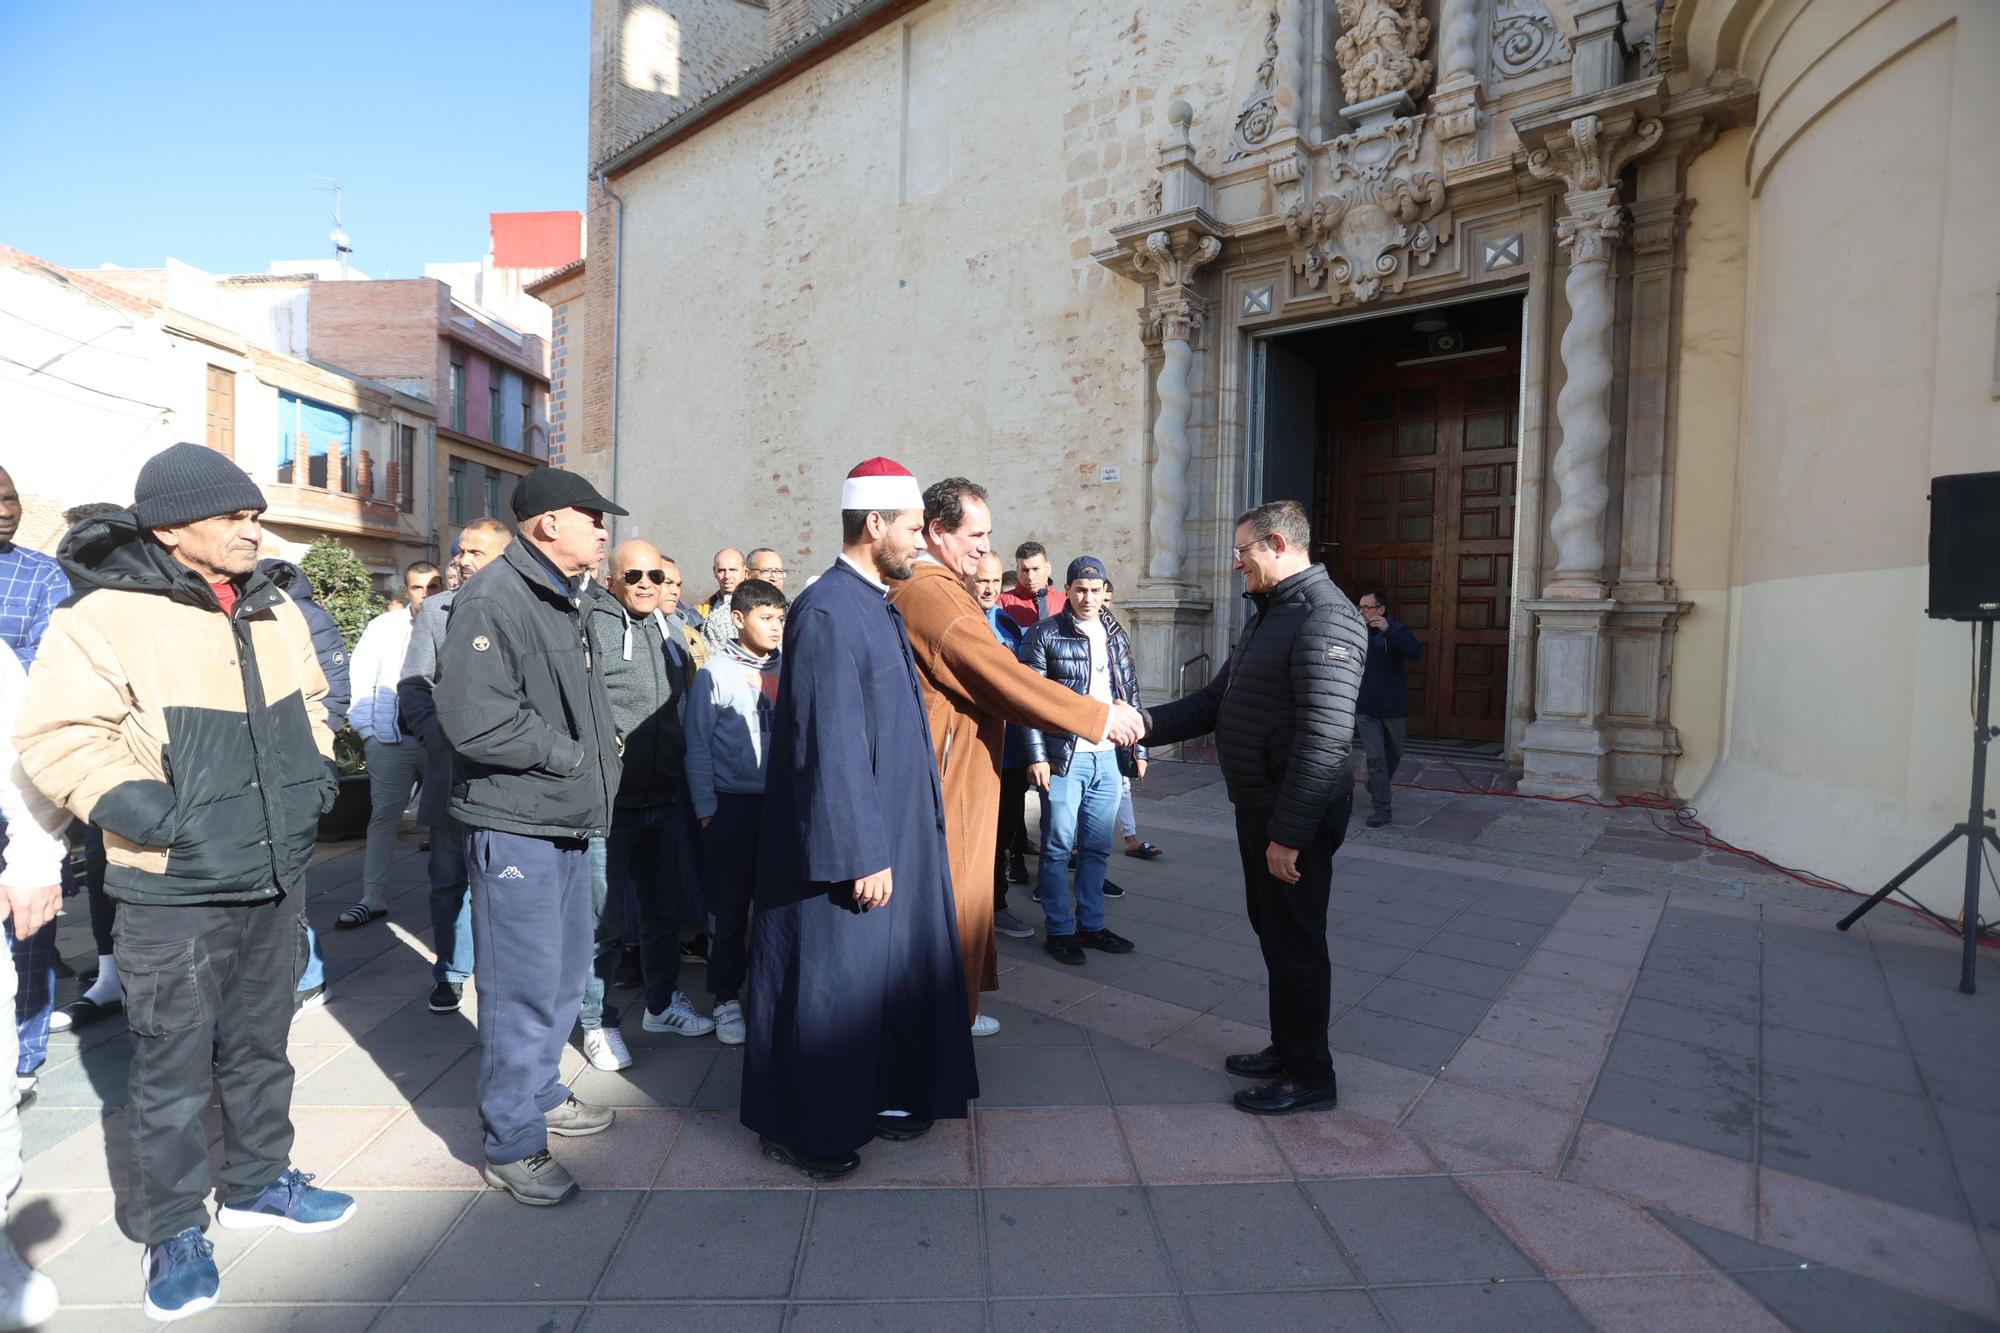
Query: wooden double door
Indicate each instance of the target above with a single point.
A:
(1417, 492)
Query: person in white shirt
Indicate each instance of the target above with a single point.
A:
(395, 759)
(30, 894)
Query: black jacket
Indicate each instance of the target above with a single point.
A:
(1282, 707)
(328, 645)
(521, 700)
(1058, 649)
(646, 677)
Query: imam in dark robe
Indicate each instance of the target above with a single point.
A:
(851, 1013)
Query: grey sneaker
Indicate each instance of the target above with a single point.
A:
(575, 1119)
(1006, 923)
(538, 1181)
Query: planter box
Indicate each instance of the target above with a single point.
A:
(349, 816)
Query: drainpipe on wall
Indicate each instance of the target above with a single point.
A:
(617, 263)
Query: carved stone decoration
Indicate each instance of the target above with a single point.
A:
(1379, 50)
(1525, 39)
(1383, 216)
(1149, 198)
(1171, 259)
(1273, 105)
(1456, 101)
(1587, 155)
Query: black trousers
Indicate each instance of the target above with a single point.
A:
(1013, 829)
(206, 981)
(1290, 921)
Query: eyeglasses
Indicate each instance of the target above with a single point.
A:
(777, 573)
(633, 576)
(1248, 545)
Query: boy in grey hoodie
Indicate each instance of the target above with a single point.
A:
(728, 729)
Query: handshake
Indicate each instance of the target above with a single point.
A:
(1128, 725)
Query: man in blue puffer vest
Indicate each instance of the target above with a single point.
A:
(1382, 712)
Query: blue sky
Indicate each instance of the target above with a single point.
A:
(192, 128)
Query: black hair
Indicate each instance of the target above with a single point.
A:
(76, 514)
(1027, 549)
(753, 593)
(854, 522)
(1380, 596)
(417, 567)
(944, 502)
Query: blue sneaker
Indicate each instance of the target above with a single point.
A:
(290, 1202)
(180, 1276)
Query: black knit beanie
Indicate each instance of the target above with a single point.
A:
(185, 483)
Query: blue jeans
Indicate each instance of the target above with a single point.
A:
(314, 972)
(1083, 805)
(451, 907)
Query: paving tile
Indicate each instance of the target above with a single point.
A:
(1705, 1186)
(917, 1243)
(1457, 975)
(1153, 937)
(1671, 1305)
(1546, 1079)
(1349, 988)
(369, 1259)
(1236, 960)
(1732, 1000)
(1514, 1024)
(940, 1159)
(1250, 1006)
(1140, 1077)
(1494, 1126)
(1361, 955)
(1624, 946)
(1346, 1310)
(1878, 1027)
(1562, 997)
(1179, 984)
(734, 1244)
(1210, 1039)
(1138, 1019)
(1192, 1144)
(1154, 1314)
(1572, 1230)
(1698, 1069)
(1047, 988)
(1416, 1229)
(712, 1150)
(1512, 1305)
(1714, 1121)
(1965, 1086)
(1975, 1149)
(1904, 1247)
(1233, 1237)
(1342, 1145)
(746, 1317)
(628, 1156)
(1381, 930)
(1376, 1089)
(722, 1087)
(1697, 1027)
(505, 1252)
(498, 1318)
(1026, 1027)
(1079, 1145)
(1412, 913)
(1475, 921)
(1107, 1243)
(1819, 1297)
(893, 1317)
(94, 1157)
(43, 1224)
(1047, 1076)
(1393, 1040)
(1427, 1004)
(432, 1148)
(659, 1078)
(387, 1075)
(1601, 973)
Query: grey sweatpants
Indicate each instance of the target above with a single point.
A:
(1382, 739)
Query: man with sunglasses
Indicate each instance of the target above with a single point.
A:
(644, 868)
(719, 629)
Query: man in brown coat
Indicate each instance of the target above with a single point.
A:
(976, 688)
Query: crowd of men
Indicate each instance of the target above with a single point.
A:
(807, 794)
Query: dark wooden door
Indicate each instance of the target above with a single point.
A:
(1420, 485)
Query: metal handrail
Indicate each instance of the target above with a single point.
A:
(1181, 681)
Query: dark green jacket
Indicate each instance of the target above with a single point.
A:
(646, 676)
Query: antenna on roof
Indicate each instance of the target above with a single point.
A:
(341, 249)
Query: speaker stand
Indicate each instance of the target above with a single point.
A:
(1975, 830)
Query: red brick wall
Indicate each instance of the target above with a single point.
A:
(382, 329)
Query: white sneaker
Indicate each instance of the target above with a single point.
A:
(26, 1083)
(605, 1049)
(679, 1018)
(984, 1025)
(27, 1298)
(729, 1028)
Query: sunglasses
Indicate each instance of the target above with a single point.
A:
(633, 576)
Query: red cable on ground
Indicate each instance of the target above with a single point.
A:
(1702, 836)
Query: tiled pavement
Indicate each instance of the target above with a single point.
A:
(1591, 1076)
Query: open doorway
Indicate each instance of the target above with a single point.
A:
(1401, 434)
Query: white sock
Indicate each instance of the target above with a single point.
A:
(106, 988)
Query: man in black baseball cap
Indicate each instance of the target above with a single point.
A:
(532, 788)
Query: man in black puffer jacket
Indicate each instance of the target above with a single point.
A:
(1282, 710)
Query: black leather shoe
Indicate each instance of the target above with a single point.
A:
(1112, 890)
(1288, 1095)
(1064, 949)
(1261, 1064)
(1379, 819)
(818, 1168)
(901, 1128)
(1104, 941)
(1017, 869)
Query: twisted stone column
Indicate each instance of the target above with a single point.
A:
(1171, 260)
(1458, 43)
(1287, 86)
(1587, 157)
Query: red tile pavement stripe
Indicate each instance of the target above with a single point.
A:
(1337, 1145)
(1547, 1080)
(1712, 1189)
(1036, 1145)
(1571, 1230)
(1901, 1246)
(1504, 1128)
(1669, 1305)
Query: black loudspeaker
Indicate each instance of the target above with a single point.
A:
(1965, 547)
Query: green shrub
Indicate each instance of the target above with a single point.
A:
(341, 584)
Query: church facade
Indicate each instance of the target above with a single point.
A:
(1615, 345)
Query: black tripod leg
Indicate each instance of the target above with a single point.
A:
(1907, 871)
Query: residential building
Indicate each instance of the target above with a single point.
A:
(522, 249)
(562, 291)
(1615, 342)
